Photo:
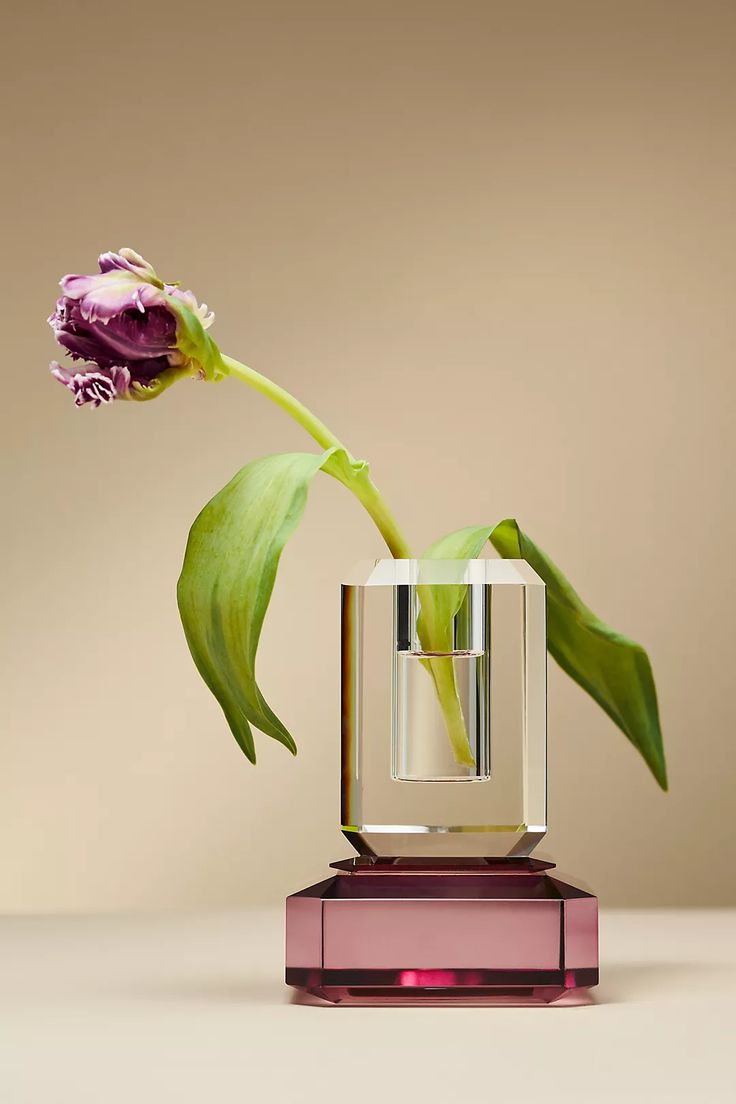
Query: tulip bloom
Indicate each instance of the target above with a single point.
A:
(136, 334)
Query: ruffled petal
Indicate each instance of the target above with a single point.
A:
(106, 294)
(205, 316)
(120, 377)
(128, 260)
(62, 374)
(92, 385)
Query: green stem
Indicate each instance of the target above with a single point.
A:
(372, 500)
(364, 490)
(443, 673)
(298, 411)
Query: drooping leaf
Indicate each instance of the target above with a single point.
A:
(613, 669)
(228, 575)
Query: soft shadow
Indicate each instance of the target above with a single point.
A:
(621, 983)
(577, 999)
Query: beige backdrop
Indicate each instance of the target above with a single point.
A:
(493, 244)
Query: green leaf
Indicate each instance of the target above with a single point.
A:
(228, 575)
(614, 670)
(441, 603)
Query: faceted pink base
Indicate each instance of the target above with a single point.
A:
(389, 931)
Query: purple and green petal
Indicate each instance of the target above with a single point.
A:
(105, 294)
(92, 385)
(124, 318)
(130, 260)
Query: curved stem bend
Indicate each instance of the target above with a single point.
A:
(364, 489)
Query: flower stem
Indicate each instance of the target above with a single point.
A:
(364, 489)
(443, 673)
(298, 411)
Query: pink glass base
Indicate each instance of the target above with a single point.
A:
(388, 931)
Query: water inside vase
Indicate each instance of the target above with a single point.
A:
(423, 748)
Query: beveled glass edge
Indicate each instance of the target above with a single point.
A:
(406, 829)
(389, 572)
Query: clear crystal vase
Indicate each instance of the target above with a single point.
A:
(405, 790)
(443, 797)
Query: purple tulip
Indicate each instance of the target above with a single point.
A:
(126, 323)
(95, 386)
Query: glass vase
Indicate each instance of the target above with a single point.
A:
(443, 797)
(473, 669)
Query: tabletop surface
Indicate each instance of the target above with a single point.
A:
(193, 1008)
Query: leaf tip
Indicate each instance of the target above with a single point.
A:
(248, 752)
